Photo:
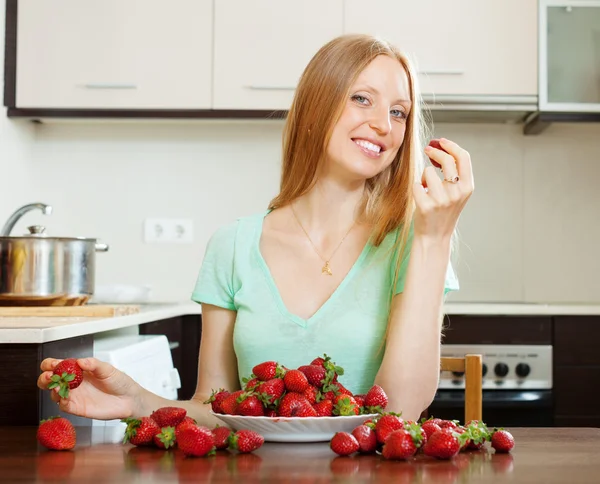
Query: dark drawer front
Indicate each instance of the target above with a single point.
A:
(500, 330)
(577, 390)
(576, 340)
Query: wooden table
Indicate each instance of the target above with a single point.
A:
(552, 455)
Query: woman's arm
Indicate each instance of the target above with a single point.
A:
(409, 372)
(217, 367)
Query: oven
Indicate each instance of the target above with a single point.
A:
(517, 386)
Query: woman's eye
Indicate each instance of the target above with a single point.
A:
(397, 113)
(360, 99)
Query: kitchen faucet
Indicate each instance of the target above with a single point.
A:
(14, 218)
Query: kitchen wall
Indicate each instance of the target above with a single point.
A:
(530, 233)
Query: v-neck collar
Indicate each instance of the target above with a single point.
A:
(275, 290)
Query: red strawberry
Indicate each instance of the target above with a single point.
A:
(196, 441)
(315, 374)
(386, 424)
(221, 436)
(267, 370)
(165, 438)
(184, 423)
(67, 375)
(270, 412)
(444, 444)
(168, 416)
(249, 406)
(295, 381)
(448, 424)
(345, 405)
(466, 443)
(295, 405)
(435, 143)
(399, 445)
(216, 398)
(478, 432)
(270, 391)
(229, 403)
(318, 361)
(502, 440)
(140, 431)
(376, 399)
(343, 443)
(324, 408)
(250, 384)
(311, 394)
(57, 433)
(429, 426)
(245, 441)
(360, 400)
(366, 438)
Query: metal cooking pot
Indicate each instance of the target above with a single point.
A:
(36, 269)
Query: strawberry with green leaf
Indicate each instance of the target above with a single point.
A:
(67, 375)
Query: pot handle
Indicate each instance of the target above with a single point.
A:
(101, 247)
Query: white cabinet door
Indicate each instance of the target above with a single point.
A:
(111, 54)
(461, 47)
(263, 46)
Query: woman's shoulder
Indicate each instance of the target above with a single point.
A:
(241, 226)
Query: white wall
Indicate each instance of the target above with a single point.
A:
(530, 233)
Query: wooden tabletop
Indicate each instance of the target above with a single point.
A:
(549, 455)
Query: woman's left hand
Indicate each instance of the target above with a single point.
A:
(438, 208)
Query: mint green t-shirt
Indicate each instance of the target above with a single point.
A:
(349, 327)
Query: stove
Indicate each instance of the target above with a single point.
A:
(516, 385)
(505, 367)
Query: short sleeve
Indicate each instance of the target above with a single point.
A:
(451, 280)
(214, 284)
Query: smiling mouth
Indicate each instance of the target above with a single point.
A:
(369, 148)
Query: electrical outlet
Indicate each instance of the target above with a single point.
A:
(168, 231)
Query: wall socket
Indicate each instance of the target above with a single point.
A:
(168, 231)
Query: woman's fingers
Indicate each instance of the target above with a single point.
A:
(100, 369)
(49, 364)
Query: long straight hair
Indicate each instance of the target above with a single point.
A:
(319, 101)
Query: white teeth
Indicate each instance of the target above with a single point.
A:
(368, 145)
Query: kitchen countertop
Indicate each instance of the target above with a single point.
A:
(46, 329)
(548, 455)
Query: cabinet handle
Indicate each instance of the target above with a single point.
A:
(173, 345)
(442, 72)
(271, 88)
(110, 86)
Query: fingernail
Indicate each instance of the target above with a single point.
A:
(54, 363)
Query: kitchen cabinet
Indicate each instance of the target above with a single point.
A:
(262, 47)
(570, 55)
(114, 54)
(461, 48)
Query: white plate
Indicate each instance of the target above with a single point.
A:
(295, 429)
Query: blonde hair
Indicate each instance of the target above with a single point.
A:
(319, 101)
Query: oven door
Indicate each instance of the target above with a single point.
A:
(500, 408)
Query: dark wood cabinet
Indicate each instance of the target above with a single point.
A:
(577, 371)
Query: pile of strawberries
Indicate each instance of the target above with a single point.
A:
(394, 438)
(168, 427)
(312, 390)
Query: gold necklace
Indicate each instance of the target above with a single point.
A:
(326, 269)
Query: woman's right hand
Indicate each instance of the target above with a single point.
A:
(105, 393)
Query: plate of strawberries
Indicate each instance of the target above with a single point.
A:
(304, 404)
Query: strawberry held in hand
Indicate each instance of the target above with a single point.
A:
(67, 376)
(56, 433)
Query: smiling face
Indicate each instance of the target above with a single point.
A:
(370, 131)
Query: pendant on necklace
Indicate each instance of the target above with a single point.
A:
(326, 269)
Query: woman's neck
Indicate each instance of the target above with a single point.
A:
(330, 207)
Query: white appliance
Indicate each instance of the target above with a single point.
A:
(145, 358)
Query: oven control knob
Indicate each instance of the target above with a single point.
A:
(458, 374)
(522, 370)
(501, 369)
(483, 369)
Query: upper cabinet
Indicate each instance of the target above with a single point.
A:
(570, 55)
(460, 47)
(263, 46)
(114, 54)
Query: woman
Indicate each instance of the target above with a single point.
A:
(351, 259)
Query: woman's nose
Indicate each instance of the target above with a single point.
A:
(381, 122)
